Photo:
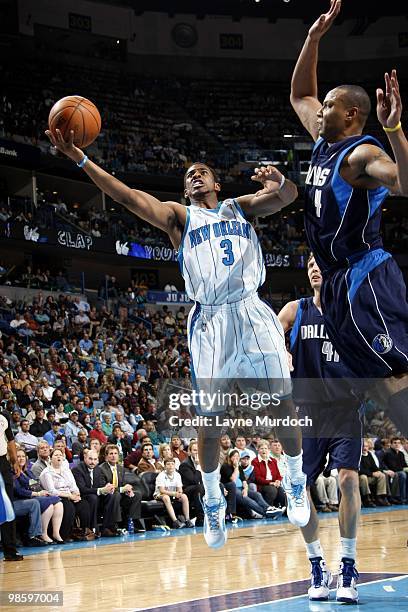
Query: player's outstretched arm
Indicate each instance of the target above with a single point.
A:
(277, 193)
(303, 94)
(168, 216)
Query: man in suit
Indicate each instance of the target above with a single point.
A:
(192, 482)
(96, 493)
(130, 495)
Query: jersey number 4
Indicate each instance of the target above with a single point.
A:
(331, 354)
(228, 260)
(318, 201)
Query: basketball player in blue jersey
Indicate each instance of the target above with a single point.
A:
(232, 333)
(363, 293)
(333, 409)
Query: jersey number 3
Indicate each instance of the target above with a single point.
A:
(228, 260)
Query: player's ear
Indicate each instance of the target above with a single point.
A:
(351, 113)
(217, 187)
(185, 194)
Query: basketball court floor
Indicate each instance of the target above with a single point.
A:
(262, 567)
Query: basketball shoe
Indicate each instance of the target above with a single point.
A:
(298, 507)
(347, 581)
(321, 580)
(214, 528)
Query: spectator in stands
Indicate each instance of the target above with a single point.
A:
(165, 453)
(326, 488)
(155, 437)
(176, 446)
(122, 442)
(192, 482)
(147, 462)
(134, 457)
(394, 460)
(26, 439)
(169, 489)
(51, 435)
(124, 424)
(225, 447)
(72, 428)
(391, 481)
(15, 419)
(80, 444)
(278, 454)
(60, 443)
(43, 459)
(267, 476)
(27, 486)
(130, 496)
(106, 423)
(251, 502)
(248, 469)
(371, 477)
(40, 425)
(59, 481)
(97, 432)
(241, 445)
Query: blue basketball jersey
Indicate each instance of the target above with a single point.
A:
(341, 222)
(314, 358)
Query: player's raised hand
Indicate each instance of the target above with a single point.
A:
(270, 177)
(65, 146)
(325, 21)
(389, 105)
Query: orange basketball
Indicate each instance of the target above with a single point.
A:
(78, 114)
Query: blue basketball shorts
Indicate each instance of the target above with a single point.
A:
(365, 311)
(335, 441)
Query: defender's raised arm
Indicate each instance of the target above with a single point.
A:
(304, 92)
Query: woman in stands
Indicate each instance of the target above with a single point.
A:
(26, 486)
(58, 480)
(165, 452)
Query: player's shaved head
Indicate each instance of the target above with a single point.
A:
(354, 95)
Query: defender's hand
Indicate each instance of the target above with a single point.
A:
(65, 146)
(325, 21)
(389, 105)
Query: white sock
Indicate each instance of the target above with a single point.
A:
(314, 549)
(348, 547)
(211, 482)
(295, 468)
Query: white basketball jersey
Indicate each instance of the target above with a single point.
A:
(220, 256)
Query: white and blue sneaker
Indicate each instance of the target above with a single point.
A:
(347, 581)
(214, 528)
(321, 580)
(298, 506)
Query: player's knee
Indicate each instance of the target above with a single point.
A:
(348, 481)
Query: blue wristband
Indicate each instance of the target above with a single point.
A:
(83, 161)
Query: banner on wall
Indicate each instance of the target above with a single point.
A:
(81, 241)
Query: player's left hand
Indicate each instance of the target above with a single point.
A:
(389, 105)
(270, 177)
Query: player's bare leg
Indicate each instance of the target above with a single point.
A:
(349, 511)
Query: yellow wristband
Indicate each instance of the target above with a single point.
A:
(394, 129)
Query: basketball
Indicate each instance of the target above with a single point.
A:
(78, 114)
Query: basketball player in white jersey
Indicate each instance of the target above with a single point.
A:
(232, 333)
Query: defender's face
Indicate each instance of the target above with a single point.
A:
(314, 274)
(199, 181)
(331, 116)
